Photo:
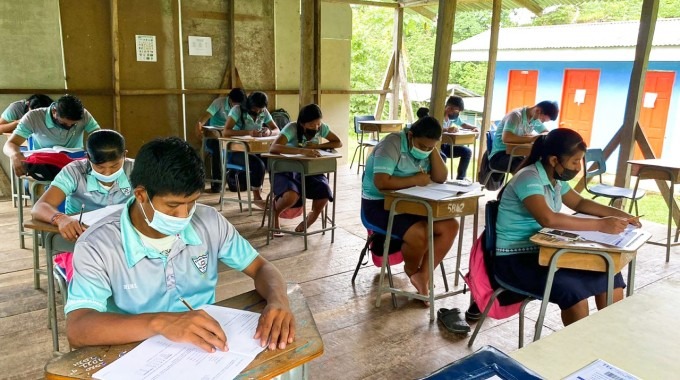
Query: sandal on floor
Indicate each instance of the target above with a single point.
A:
(453, 321)
(473, 313)
(278, 234)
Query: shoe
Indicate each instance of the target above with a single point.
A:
(473, 313)
(453, 321)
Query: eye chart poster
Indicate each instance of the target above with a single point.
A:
(146, 48)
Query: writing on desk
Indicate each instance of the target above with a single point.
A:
(89, 363)
(455, 208)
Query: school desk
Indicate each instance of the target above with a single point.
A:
(375, 127)
(461, 138)
(584, 255)
(291, 361)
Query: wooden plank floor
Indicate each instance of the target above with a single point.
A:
(361, 341)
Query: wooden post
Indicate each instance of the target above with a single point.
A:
(397, 34)
(229, 78)
(490, 76)
(116, 64)
(317, 52)
(307, 53)
(650, 9)
(408, 108)
(385, 86)
(442, 57)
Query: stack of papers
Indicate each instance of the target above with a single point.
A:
(92, 217)
(439, 191)
(160, 358)
(600, 370)
(626, 238)
(54, 149)
(324, 153)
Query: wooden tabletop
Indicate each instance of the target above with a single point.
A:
(382, 126)
(656, 169)
(41, 226)
(457, 206)
(518, 149)
(300, 157)
(459, 138)
(254, 145)
(82, 363)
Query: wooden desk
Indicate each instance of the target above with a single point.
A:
(54, 243)
(453, 207)
(82, 363)
(556, 253)
(306, 166)
(661, 170)
(381, 126)
(255, 145)
(462, 138)
(638, 335)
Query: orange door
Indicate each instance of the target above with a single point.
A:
(579, 93)
(656, 100)
(521, 89)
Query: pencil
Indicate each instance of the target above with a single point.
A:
(80, 218)
(186, 303)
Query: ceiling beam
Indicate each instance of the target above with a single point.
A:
(365, 2)
(530, 5)
(425, 12)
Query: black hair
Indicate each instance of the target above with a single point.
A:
(549, 108)
(237, 95)
(168, 165)
(455, 101)
(308, 113)
(422, 112)
(427, 127)
(105, 145)
(255, 99)
(38, 101)
(69, 107)
(560, 142)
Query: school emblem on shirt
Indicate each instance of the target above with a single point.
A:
(125, 191)
(201, 262)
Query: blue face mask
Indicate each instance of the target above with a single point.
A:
(419, 154)
(167, 224)
(107, 178)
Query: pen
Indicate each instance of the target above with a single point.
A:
(80, 218)
(186, 303)
(421, 169)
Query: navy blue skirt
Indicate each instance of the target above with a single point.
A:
(570, 286)
(375, 215)
(316, 186)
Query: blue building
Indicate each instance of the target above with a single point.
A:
(586, 68)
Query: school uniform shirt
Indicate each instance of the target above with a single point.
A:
(515, 122)
(114, 271)
(15, 110)
(515, 224)
(46, 133)
(391, 156)
(219, 110)
(82, 188)
(448, 123)
(290, 131)
(248, 124)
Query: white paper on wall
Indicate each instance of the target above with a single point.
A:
(146, 48)
(200, 46)
(580, 96)
(649, 99)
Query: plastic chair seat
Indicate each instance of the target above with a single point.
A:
(608, 191)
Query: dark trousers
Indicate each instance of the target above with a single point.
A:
(256, 164)
(500, 160)
(465, 155)
(212, 147)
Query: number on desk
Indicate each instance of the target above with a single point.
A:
(455, 208)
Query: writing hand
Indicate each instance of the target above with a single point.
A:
(635, 221)
(195, 327)
(70, 228)
(19, 164)
(613, 225)
(276, 326)
(422, 179)
(312, 153)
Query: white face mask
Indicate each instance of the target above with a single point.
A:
(167, 224)
(107, 178)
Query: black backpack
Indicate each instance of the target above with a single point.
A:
(281, 117)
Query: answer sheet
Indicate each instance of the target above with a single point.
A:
(92, 217)
(160, 358)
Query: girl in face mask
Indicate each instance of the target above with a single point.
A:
(303, 137)
(87, 185)
(532, 200)
(399, 161)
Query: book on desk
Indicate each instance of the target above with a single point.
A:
(440, 191)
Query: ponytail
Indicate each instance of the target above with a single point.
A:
(536, 153)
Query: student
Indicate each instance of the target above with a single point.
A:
(132, 267)
(517, 127)
(532, 200)
(303, 137)
(251, 119)
(99, 181)
(422, 112)
(399, 161)
(452, 123)
(217, 115)
(61, 124)
(16, 110)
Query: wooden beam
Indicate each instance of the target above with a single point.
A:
(425, 12)
(365, 2)
(386, 85)
(407, 108)
(317, 52)
(442, 57)
(490, 76)
(531, 5)
(179, 65)
(307, 54)
(650, 9)
(228, 79)
(115, 45)
(397, 34)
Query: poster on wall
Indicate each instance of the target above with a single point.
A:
(580, 96)
(146, 48)
(200, 46)
(649, 99)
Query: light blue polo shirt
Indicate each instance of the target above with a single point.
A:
(113, 271)
(218, 111)
(448, 123)
(15, 110)
(290, 131)
(248, 124)
(515, 224)
(515, 122)
(391, 156)
(38, 123)
(82, 188)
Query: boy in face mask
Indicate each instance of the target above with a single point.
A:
(452, 124)
(134, 267)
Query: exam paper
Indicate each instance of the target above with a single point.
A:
(160, 358)
(92, 217)
(600, 370)
(622, 240)
(438, 191)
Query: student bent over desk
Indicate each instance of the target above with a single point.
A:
(399, 161)
(303, 137)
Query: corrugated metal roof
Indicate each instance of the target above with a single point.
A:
(608, 34)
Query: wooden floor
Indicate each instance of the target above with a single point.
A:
(361, 341)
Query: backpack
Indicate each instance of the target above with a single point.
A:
(281, 117)
(495, 180)
(231, 180)
(44, 166)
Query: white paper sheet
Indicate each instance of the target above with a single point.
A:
(580, 96)
(54, 149)
(649, 99)
(92, 217)
(200, 46)
(159, 358)
(324, 153)
(600, 370)
(622, 240)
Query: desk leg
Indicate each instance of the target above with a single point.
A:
(460, 250)
(631, 277)
(451, 159)
(246, 159)
(474, 162)
(51, 303)
(335, 200)
(430, 252)
(552, 268)
(20, 206)
(386, 257)
(36, 260)
(304, 205)
(670, 218)
(223, 162)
